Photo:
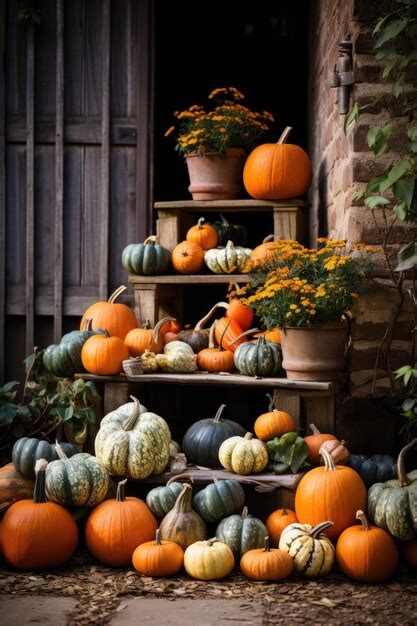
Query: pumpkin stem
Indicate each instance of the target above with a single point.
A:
(39, 495)
(157, 329)
(147, 324)
(267, 546)
(245, 512)
(4, 506)
(222, 337)
(328, 461)
(230, 245)
(315, 532)
(360, 515)
(248, 436)
(60, 451)
(245, 334)
(200, 222)
(219, 413)
(284, 135)
(314, 429)
(117, 293)
(120, 493)
(152, 240)
(211, 335)
(130, 422)
(158, 541)
(106, 334)
(271, 406)
(210, 542)
(224, 220)
(183, 502)
(178, 476)
(268, 238)
(88, 325)
(206, 318)
(402, 474)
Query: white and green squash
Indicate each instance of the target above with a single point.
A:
(311, 549)
(228, 260)
(180, 358)
(262, 359)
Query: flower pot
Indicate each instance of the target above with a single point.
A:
(314, 353)
(215, 176)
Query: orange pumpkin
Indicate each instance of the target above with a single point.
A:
(277, 521)
(203, 234)
(264, 252)
(409, 552)
(37, 534)
(277, 171)
(330, 493)
(103, 355)
(214, 359)
(116, 527)
(226, 330)
(314, 443)
(188, 257)
(112, 316)
(140, 339)
(273, 334)
(171, 325)
(266, 563)
(274, 423)
(337, 450)
(158, 558)
(13, 485)
(366, 553)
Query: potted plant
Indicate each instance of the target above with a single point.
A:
(215, 142)
(308, 294)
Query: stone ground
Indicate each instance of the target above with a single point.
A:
(89, 593)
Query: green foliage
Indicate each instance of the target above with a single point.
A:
(408, 374)
(287, 453)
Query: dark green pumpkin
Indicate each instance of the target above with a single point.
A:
(219, 499)
(146, 259)
(377, 469)
(263, 358)
(392, 505)
(203, 439)
(76, 481)
(196, 339)
(161, 500)
(242, 533)
(230, 232)
(64, 358)
(26, 451)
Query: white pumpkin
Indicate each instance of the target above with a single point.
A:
(229, 260)
(175, 346)
(178, 360)
(311, 549)
(243, 455)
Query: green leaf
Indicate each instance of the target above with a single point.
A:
(407, 257)
(373, 201)
(386, 53)
(389, 66)
(412, 131)
(352, 116)
(8, 412)
(378, 136)
(402, 370)
(401, 211)
(375, 184)
(395, 173)
(391, 30)
(398, 88)
(9, 386)
(403, 190)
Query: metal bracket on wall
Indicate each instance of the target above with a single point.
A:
(343, 76)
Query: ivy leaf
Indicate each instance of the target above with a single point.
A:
(395, 173)
(407, 257)
(403, 190)
(389, 67)
(373, 201)
(352, 116)
(386, 53)
(378, 136)
(8, 412)
(391, 30)
(398, 88)
(412, 131)
(9, 386)
(375, 184)
(401, 211)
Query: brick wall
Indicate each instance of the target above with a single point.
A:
(342, 164)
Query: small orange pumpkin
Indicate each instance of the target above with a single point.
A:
(203, 234)
(274, 423)
(266, 563)
(227, 330)
(188, 257)
(214, 359)
(273, 334)
(409, 552)
(140, 339)
(103, 355)
(277, 521)
(277, 171)
(158, 558)
(264, 252)
(314, 443)
(171, 325)
(112, 316)
(337, 450)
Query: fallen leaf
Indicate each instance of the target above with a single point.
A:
(325, 602)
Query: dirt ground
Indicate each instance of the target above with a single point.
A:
(87, 592)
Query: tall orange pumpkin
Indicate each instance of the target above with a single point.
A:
(103, 355)
(203, 234)
(140, 339)
(277, 171)
(188, 257)
(330, 493)
(112, 316)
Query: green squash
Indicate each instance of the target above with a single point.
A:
(219, 499)
(133, 442)
(26, 451)
(77, 481)
(262, 359)
(64, 359)
(161, 500)
(229, 260)
(146, 259)
(242, 533)
(230, 232)
(393, 505)
(202, 441)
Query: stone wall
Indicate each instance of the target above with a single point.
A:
(343, 164)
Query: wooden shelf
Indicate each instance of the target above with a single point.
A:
(220, 206)
(189, 279)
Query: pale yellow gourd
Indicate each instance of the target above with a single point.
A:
(243, 455)
(208, 560)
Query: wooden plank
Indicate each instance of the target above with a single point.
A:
(189, 279)
(290, 224)
(30, 156)
(124, 132)
(154, 302)
(59, 171)
(206, 206)
(2, 185)
(321, 412)
(105, 153)
(289, 401)
(115, 394)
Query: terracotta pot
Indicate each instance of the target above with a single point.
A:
(314, 353)
(215, 176)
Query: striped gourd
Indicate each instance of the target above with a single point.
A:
(310, 547)
(133, 442)
(229, 260)
(263, 358)
(242, 533)
(77, 481)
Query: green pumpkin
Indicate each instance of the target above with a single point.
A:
(64, 359)
(203, 439)
(161, 500)
(219, 499)
(393, 505)
(146, 259)
(263, 358)
(77, 481)
(133, 442)
(242, 533)
(230, 232)
(229, 260)
(26, 451)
